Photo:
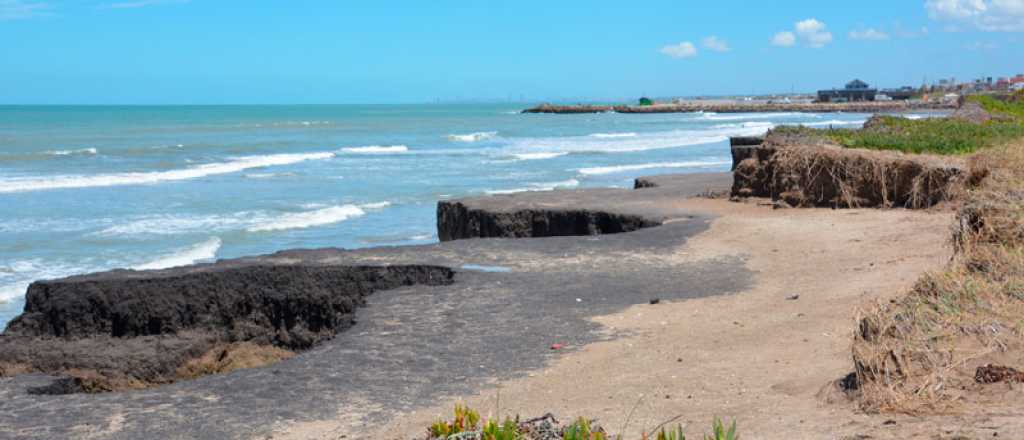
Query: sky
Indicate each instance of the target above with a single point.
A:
(324, 52)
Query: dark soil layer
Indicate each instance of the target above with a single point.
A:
(135, 328)
(456, 221)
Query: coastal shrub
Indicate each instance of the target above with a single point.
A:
(465, 420)
(920, 352)
(1012, 106)
(581, 429)
(719, 432)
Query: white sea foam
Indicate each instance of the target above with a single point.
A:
(267, 175)
(646, 166)
(16, 276)
(744, 116)
(547, 186)
(377, 205)
(613, 135)
(376, 149)
(200, 252)
(21, 184)
(640, 142)
(421, 237)
(81, 151)
(538, 156)
(300, 220)
(835, 122)
(472, 137)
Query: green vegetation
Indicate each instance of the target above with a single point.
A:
(465, 420)
(1012, 107)
(581, 430)
(951, 136)
(466, 425)
(930, 135)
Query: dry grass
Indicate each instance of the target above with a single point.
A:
(919, 353)
(856, 178)
(231, 357)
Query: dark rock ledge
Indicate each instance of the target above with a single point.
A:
(127, 329)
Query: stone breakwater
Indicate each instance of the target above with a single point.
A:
(713, 107)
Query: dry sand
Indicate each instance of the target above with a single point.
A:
(759, 357)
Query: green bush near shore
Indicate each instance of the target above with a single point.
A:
(1012, 107)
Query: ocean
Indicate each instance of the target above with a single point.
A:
(86, 189)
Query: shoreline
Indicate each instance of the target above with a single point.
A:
(738, 107)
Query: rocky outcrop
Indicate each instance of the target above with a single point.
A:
(740, 107)
(456, 221)
(125, 328)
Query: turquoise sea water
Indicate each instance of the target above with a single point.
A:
(85, 189)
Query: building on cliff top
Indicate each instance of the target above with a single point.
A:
(854, 91)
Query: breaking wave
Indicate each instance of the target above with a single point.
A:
(538, 156)
(201, 252)
(646, 166)
(78, 152)
(301, 220)
(376, 149)
(22, 184)
(473, 137)
(613, 135)
(548, 186)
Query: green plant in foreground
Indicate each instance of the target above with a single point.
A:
(581, 430)
(718, 431)
(465, 420)
(509, 430)
(672, 434)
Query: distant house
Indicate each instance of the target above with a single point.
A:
(854, 91)
(646, 101)
(1017, 87)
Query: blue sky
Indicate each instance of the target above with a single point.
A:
(304, 51)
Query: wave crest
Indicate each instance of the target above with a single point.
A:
(376, 149)
(473, 137)
(22, 184)
(204, 251)
(646, 166)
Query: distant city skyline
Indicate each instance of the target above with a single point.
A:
(318, 52)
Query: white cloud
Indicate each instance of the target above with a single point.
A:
(784, 39)
(143, 3)
(813, 33)
(987, 15)
(869, 34)
(685, 49)
(714, 43)
(21, 10)
(810, 32)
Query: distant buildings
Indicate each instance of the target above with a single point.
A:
(854, 91)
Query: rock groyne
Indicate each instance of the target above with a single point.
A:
(738, 107)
